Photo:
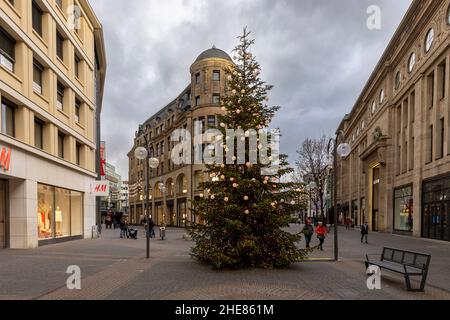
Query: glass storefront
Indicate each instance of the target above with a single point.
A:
(60, 212)
(436, 209)
(403, 209)
(3, 208)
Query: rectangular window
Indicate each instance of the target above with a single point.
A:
(442, 80)
(197, 78)
(197, 101)
(38, 69)
(7, 50)
(430, 91)
(78, 153)
(216, 75)
(37, 18)
(216, 99)
(77, 66)
(59, 45)
(403, 209)
(38, 134)
(60, 96)
(61, 145)
(76, 213)
(211, 121)
(430, 144)
(8, 118)
(77, 110)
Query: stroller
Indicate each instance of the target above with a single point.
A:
(133, 233)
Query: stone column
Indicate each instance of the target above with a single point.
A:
(23, 214)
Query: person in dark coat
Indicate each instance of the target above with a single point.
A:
(308, 232)
(365, 233)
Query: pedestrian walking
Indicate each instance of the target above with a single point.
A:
(365, 233)
(123, 229)
(151, 227)
(308, 231)
(321, 232)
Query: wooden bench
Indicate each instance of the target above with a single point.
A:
(408, 263)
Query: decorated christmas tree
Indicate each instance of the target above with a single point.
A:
(245, 205)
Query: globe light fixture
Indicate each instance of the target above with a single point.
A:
(153, 163)
(141, 153)
(344, 150)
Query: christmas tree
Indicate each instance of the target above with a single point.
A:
(243, 212)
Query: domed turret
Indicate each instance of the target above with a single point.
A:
(213, 53)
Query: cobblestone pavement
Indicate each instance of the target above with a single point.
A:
(116, 269)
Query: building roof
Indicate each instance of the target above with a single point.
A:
(213, 53)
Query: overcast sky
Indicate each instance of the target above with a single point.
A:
(317, 53)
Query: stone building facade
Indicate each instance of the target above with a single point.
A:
(52, 73)
(199, 102)
(398, 175)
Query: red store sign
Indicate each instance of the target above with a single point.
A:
(5, 159)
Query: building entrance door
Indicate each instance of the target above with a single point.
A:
(3, 208)
(436, 221)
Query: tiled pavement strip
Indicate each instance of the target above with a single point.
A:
(115, 269)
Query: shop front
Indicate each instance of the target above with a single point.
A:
(3, 213)
(44, 200)
(436, 209)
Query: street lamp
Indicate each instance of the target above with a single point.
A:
(343, 150)
(142, 153)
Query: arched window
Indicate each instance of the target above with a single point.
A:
(411, 62)
(429, 40)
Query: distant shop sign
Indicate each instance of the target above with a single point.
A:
(100, 189)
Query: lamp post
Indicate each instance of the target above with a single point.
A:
(343, 150)
(142, 153)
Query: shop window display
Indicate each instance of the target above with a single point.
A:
(45, 211)
(76, 211)
(60, 212)
(403, 207)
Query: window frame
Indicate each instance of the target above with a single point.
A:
(5, 105)
(61, 147)
(8, 56)
(37, 10)
(60, 45)
(216, 72)
(39, 123)
(37, 86)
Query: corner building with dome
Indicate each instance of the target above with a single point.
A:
(200, 101)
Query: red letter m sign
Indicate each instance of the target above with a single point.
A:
(5, 159)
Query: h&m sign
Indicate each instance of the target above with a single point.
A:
(5, 159)
(100, 189)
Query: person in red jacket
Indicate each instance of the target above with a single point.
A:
(321, 232)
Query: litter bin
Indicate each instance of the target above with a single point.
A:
(162, 232)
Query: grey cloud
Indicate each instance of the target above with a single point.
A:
(318, 54)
